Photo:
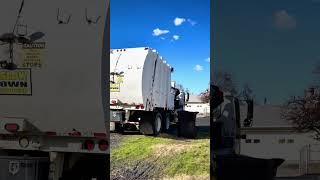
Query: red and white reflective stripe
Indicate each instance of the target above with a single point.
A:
(51, 133)
(79, 134)
(75, 134)
(100, 135)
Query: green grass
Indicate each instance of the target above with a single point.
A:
(194, 160)
(135, 148)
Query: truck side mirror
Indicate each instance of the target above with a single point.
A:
(248, 121)
(187, 99)
(216, 97)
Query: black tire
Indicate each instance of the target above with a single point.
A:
(187, 125)
(157, 123)
(119, 128)
(146, 125)
(166, 122)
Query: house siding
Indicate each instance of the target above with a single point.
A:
(277, 145)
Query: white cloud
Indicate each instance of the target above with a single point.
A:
(208, 59)
(192, 22)
(283, 20)
(175, 37)
(178, 21)
(198, 67)
(159, 32)
(163, 38)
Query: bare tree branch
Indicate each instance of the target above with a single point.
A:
(304, 113)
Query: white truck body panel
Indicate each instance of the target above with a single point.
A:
(137, 86)
(68, 90)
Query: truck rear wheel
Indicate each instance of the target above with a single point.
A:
(151, 123)
(146, 125)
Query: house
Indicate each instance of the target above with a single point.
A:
(270, 136)
(195, 104)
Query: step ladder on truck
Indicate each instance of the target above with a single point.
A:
(53, 89)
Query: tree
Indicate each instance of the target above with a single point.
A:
(205, 96)
(304, 113)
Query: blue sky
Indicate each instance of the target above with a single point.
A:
(178, 29)
(273, 45)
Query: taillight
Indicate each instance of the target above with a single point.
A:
(103, 145)
(89, 145)
(100, 135)
(140, 106)
(113, 102)
(11, 127)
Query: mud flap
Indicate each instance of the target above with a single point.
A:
(187, 124)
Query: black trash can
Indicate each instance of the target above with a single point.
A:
(187, 124)
(231, 167)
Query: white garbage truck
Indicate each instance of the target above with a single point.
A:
(142, 95)
(53, 89)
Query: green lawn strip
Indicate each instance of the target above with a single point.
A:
(135, 148)
(194, 161)
(191, 161)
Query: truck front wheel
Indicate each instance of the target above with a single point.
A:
(146, 124)
(166, 122)
(157, 123)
